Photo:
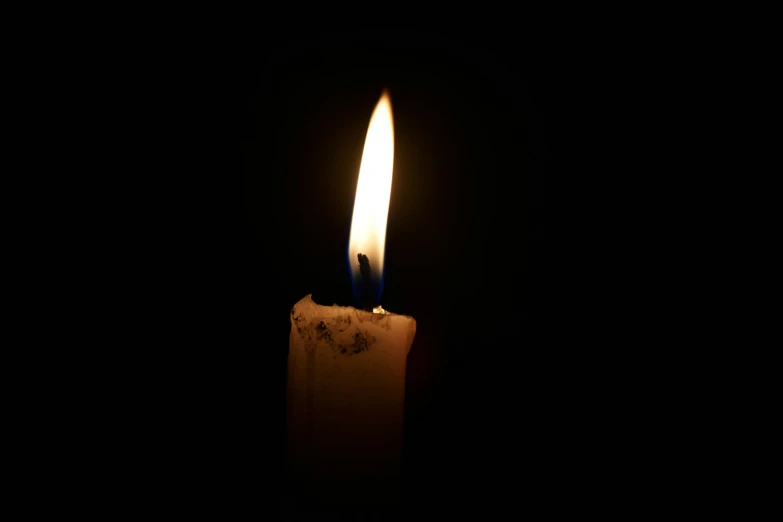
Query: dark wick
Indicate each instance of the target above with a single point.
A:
(365, 291)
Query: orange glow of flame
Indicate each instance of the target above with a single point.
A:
(371, 206)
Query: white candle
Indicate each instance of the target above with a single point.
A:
(346, 366)
(346, 394)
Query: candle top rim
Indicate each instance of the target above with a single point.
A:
(308, 299)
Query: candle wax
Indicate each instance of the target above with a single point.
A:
(346, 393)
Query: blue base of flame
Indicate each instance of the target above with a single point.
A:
(358, 288)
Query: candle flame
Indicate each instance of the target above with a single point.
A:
(371, 206)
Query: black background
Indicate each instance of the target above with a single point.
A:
(496, 244)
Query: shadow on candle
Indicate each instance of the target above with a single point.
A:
(422, 417)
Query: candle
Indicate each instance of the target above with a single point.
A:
(346, 365)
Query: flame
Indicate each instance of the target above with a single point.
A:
(371, 206)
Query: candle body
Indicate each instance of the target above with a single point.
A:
(346, 393)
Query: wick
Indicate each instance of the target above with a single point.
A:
(365, 292)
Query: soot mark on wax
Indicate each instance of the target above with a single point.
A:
(330, 332)
(323, 333)
(362, 342)
(301, 325)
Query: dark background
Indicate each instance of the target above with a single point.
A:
(496, 244)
